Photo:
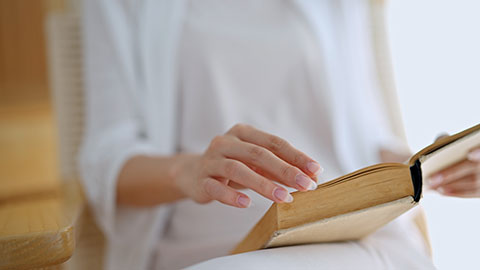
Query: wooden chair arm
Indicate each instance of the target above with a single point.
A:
(40, 230)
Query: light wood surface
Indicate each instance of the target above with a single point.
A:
(38, 213)
(39, 231)
(28, 162)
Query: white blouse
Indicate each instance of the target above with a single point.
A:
(166, 76)
(256, 63)
(243, 62)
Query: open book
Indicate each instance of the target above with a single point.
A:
(355, 205)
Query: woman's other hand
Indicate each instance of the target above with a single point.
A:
(245, 157)
(461, 179)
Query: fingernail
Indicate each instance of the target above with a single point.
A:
(435, 180)
(474, 155)
(441, 190)
(243, 201)
(313, 186)
(305, 182)
(282, 195)
(314, 168)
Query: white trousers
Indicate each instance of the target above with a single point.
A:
(398, 245)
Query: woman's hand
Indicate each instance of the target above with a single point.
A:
(461, 179)
(245, 157)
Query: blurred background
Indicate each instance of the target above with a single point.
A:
(435, 48)
(27, 134)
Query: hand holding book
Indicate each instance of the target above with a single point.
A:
(462, 179)
(355, 205)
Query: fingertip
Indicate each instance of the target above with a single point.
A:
(282, 195)
(474, 155)
(314, 168)
(289, 198)
(243, 201)
(435, 180)
(304, 183)
(313, 186)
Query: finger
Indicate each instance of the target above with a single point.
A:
(441, 136)
(269, 164)
(278, 146)
(469, 188)
(452, 173)
(235, 185)
(221, 145)
(241, 174)
(466, 194)
(225, 194)
(474, 155)
(271, 177)
(229, 183)
(462, 185)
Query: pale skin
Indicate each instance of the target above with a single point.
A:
(245, 157)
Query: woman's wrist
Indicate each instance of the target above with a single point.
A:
(151, 180)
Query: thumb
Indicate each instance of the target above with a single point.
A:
(441, 136)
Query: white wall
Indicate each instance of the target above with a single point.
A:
(436, 56)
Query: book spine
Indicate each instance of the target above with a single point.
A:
(416, 173)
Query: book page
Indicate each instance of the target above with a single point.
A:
(349, 226)
(449, 154)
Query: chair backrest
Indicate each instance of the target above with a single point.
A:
(64, 46)
(66, 83)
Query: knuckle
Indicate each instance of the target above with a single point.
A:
(211, 189)
(256, 153)
(238, 127)
(277, 143)
(264, 186)
(299, 159)
(287, 171)
(446, 173)
(217, 142)
(231, 169)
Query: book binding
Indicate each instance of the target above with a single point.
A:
(416, 173)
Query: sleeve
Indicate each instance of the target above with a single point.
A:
(113, 129)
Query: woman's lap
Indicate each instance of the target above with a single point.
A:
(396, 246)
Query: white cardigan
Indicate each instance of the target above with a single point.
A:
(130, 63)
